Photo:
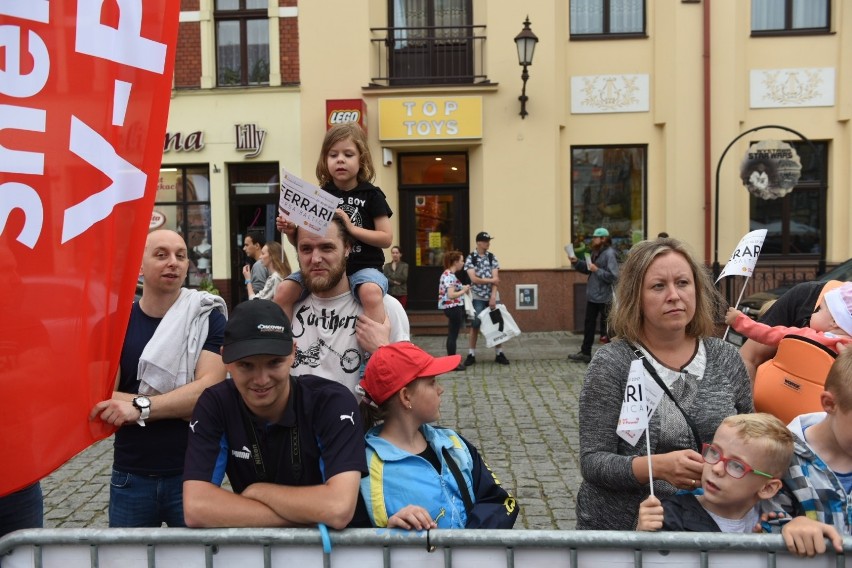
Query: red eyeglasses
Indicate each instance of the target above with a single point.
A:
(733, 467)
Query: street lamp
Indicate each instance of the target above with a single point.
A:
(525, 41)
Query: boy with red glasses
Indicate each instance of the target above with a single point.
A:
(743, 466)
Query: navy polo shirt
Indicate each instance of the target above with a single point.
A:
(331, 436)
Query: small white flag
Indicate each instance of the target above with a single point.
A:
(744, 257)
(638, 405)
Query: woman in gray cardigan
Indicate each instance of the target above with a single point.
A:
(664, 309)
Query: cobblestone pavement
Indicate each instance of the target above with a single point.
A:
(522, 417)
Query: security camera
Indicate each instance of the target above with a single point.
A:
(387, 156)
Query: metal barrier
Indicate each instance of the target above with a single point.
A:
(356, 548)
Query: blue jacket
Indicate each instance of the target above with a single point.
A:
(397, 479)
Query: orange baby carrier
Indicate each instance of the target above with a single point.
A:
(790, 383)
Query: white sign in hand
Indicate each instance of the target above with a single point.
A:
(641, 398)
(310, 207)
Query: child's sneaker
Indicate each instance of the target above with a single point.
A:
(471, 360)
(501, 359)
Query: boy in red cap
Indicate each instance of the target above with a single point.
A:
(422, 477)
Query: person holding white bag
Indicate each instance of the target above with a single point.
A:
(483, 270)
(450, 299)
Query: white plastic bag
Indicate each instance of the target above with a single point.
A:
(497, 325)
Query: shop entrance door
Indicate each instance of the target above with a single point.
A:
(253, 207)
(433, 220)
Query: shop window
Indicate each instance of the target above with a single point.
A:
(183, 205)
(607, 18)
(790, 16)
(795, 223)
(608, 190)
(242, 42)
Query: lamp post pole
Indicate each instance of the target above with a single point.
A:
(523, 98)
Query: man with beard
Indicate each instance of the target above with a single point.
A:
(324, 323)
(602, 268)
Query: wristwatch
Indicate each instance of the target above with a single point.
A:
(143, 403)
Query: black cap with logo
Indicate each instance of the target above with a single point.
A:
(483, 236)
(257, 327)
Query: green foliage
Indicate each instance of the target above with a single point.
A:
(206, 285)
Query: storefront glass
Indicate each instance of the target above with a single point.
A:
(608, 190)
(183, 205)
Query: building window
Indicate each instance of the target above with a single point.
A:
(790, 16)
(624, 18)
(242, 42)
(608, 190)
(183, 205)
(431, 41)
(795, 223)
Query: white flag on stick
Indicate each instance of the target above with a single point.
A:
(744, 257)
(639, 403)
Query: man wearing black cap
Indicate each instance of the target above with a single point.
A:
(483, 269)
(293, 450)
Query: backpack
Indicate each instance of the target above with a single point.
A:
(462, 274)
(791, 383)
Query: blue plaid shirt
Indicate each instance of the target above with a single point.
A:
(811, 488)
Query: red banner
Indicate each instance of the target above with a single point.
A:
(84, 96)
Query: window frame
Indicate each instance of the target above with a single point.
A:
(605, 25)
(242, 15)
(788, 28)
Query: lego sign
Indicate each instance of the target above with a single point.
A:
(341, 111)
(430, 118)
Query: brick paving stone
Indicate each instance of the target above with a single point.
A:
(522, 417)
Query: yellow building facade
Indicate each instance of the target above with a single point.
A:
(628, 117)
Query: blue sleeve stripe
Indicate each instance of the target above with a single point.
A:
(221, 462)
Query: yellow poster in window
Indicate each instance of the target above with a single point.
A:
(434, 240)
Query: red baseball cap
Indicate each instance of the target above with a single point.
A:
(393, 366)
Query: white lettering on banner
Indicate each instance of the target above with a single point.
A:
(19, 196)
(12, 82)
(128, 181)
(123, 44)
(22, 118)
(35, 10)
